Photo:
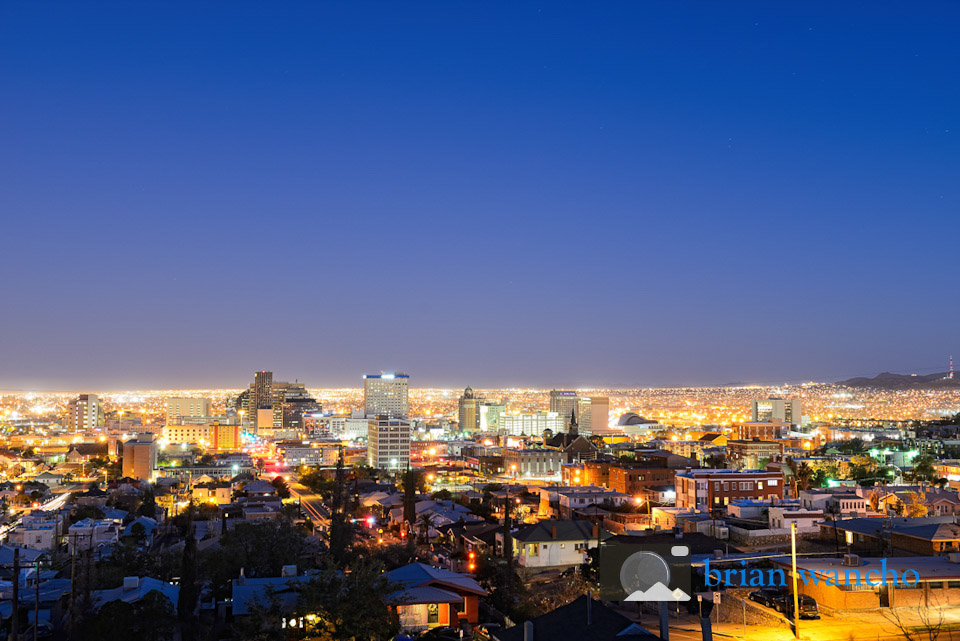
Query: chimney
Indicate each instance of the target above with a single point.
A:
(528, 631)
(589, 608)
(553, 531)
(288, 570)
(596, 530)
(131, 583)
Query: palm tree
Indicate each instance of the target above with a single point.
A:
(803, 474)
(424, 523)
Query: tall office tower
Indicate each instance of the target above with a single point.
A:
(388, 443)
(261, 398)
(84, 413)
(386, 395)
(469, 414)
(290, 402)
(563, 403)
(490, 413)
(777, 409)
(177, 408)
(140, 457)
(593, 415)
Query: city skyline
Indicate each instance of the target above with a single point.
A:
(644, 195)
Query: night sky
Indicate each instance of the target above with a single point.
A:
(494, 194)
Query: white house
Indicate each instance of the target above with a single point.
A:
(781, 517)
(553, 544)
(88, 534)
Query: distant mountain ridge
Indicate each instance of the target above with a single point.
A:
(891, 381)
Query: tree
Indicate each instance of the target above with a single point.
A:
(149, 506)
(804, 476)
(260, 549)
(283, 490)
(923, 470)
(507, 590)
(332, 606)
(424, 522)
(924, 623)
(149, 619)
(917, 504)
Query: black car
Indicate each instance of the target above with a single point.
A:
(766, 596)
(808, 606)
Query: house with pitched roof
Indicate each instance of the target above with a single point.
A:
(583, 619)
(429, 597)
(553, 544)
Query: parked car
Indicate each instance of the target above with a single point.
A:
(485, 631)
(444, 633)
(808, 606)
(766, 596)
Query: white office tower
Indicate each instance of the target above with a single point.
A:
(388, 443)
(777, 409)
(178, 408)
(532, 424)
(490, 413)
(386, 395)
(84, 413)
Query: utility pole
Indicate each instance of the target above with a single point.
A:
(36, 604)
(15, 617)
(73, 587)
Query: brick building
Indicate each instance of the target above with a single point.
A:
(708, 489)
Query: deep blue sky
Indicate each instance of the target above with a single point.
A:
(637, 193)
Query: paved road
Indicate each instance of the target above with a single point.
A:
(310, 503)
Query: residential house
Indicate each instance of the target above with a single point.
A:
(553, 544)
(429, 597)
(583, 619)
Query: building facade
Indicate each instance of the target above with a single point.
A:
(84, 413)
(140, 457)
(776, 409)
(709, 489)
(388, 443)
(564, 403)
(386, 395)
(178, 408)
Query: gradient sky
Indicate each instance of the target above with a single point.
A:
(570, 194)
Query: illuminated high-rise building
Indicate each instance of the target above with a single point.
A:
(177, 408)
(777, 409)
(261, 398)
(84, 413)
(469, 411)
(490, 413)
(388, 443)
(593, 415)
(386, 395)
(564, 403)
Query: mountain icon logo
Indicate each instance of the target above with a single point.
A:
(658, 592)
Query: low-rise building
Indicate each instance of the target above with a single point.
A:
(710, 489)
(753, 453)
(532, 463)
(553, 544)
